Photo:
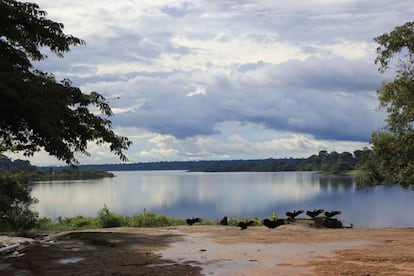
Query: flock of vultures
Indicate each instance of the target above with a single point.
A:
(328, 220)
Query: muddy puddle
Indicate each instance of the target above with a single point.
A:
(249, 258)
(73, 260)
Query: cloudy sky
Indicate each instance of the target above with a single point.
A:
(228, 79)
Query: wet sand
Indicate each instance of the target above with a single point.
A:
(293, 249)
(250, 258)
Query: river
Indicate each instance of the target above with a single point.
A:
(233, 194)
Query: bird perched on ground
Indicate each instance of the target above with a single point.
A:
(243, 225)
(332, 214)
(294, 214)
(314, 213)
(224, 221)
(191, 221)
(273, 223)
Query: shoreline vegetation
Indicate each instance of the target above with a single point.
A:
(323, 162)
(16, 176)
(34, 173)
(357, 164)
(107, 219)
(69, 174)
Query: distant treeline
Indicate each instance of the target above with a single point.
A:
(34, 173)
(333, 163)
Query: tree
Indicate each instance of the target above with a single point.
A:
(393, 145)
(333, 157)
(340, 167)
(15, 200)
(37, 111)
(346, 157)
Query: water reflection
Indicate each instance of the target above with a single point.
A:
(214, 195)
(335, 182)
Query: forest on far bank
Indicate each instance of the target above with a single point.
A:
(34, 173)
(330, 163)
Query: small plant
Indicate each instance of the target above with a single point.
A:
(80, 222)
(273, 216)
(149, 219)
(108, 219)
(234, 221)
(71, 223)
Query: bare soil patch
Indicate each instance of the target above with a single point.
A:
(299, 248)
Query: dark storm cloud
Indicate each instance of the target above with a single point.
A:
(324, 98)
(232, 78)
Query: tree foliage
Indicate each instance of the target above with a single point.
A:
(329, 163)
(393, 146)
(39, 112)
(15, 201)
(36, 110)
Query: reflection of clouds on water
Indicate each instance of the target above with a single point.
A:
(335, 183)
(225, 192)
(256, 191)
(71, 198)
(382, 206)
(213, 195)
(132, 192)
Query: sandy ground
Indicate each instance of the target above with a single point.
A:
(294, 249)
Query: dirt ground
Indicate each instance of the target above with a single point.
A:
(298, 248)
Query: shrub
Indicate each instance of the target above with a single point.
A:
(108, 219)
(234, 221)
(152, 220)
(15, 201)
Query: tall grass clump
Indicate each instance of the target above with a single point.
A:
(234, 221)
(74, 223)
(149, 219)
(108, 219)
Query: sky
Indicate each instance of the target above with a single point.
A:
(229, 79)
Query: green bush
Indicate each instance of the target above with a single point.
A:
(152, 220)
(108, 219)
(18, 220)
(44, 224)
(74, 223)
(15, 201)
(79, 222)
(234, 221)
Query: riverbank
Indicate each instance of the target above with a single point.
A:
(297, 248)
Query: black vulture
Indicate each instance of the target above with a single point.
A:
(294, 214)
(332, 214)
(314, 213)
(224, 221)
(191, 221)
(273, 223)
(243, 225)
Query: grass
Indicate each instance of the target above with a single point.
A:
(74, 223)
(105, 219)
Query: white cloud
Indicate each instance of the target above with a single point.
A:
(348, 49)
(229, 79)
(199, 90)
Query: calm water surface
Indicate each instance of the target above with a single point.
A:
(214, 195)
